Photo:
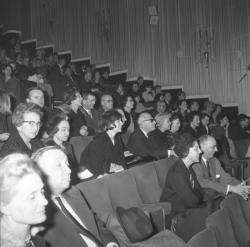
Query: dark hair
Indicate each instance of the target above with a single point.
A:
(183, 143)
(179, 102)
(21, 109)
(174, 117)
(108, 118)
(203, 115)
(191, 116)
(125, 100)
(220, 117)
(241, 117)
(27, 93)
(53, 122)
(70, 95)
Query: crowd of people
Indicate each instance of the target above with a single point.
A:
(44, 102)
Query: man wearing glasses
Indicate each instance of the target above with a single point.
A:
(140, 143)
(26, 119)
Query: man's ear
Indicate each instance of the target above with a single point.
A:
(27, 100)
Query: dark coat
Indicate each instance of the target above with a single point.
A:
(63, 232)
(16, 144)
(101, 152)
(76, 120)
(139, 144)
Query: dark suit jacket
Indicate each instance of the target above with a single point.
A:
(91, 122)
(188, 129)
(159, 139)
(139, 144)
(217, 184)
(101, 152)
(64, 233)
(203, 131)
(16, 144)
(178, 188)
(77, 120)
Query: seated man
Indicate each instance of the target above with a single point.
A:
(74, 223)
(27, 121)
(140, 143)
(211, 175)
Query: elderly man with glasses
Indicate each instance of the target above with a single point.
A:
(140, 142)
(26, 119)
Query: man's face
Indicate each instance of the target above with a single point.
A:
(194, 153)
(168, 97)
(205, 121)
(36, 97)
(54, 164)
(148, 123)
(244, 123)
(209, 148)
(161, 107)
(224, 121)
(89, 102)
(196, 121)
(30, 126)
(166, 123)
(195, 106)
(107, 103)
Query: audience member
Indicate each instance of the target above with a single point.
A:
(73, 221)
(184, 192)
(161, 107)
(27, 121)
(216, 112)
(5, 117)
(22, 201)
(194, 106)
(105, 153)
(183, 112)
(203, 128)
(194, 121)
(212, 176)
(140, 142)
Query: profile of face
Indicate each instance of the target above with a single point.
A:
(30, 125)
(183, 106)
(205, 121)
(89, 102)
(7, 71)
(118, 125)
(62, 134)
(166, 123)
(129, 103)
(27, 205)
(107, 102)
(175, 125)
(209, 148)
(196, 121)
(194, 153)
(36, 97)
(147, 122)
(195, 106)
(54, 164)
(78, 99)
(225, 121)
(135, 87)
(168, 97)
(161, 107)
(244, 123)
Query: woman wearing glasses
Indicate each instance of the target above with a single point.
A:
(22, 202)
(105, 153)
(26, 119)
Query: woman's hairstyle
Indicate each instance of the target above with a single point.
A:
(13, 168)
(21, 109)
(125, 99)
(108, 118)
(4, 66)
(70, 95)
(183, 143)
(53, 122)
(191, 116)
(179, 102)
(174, 117)
(5, 104)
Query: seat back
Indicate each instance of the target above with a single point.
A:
(220, 223)
(240, 226)
(79, 143)
(205, 238)
(245, 206)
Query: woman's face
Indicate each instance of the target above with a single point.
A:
(78, 99)
(28, 202)
(176, 124)
(62, 134)
(183, 106)
(7, 71)
(194, 153)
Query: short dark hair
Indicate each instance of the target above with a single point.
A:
(108, 118)
(220, 117)
(191, 116)
(27, 93)
(183, 143)
(70, 95)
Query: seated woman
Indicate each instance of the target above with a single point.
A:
(22, 201)
(26, 119)
(58, 130)
(5, 116)
(105, 153)
(184, 192)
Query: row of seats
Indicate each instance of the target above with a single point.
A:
(227, 227)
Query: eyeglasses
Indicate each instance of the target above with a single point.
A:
(151, 120)
(33, 124)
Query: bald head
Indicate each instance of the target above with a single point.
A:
(208, 146)
(107, 102)
(146, 122)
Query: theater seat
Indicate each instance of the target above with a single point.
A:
(245, 206)
(205, 238)
(240, 226)
(79, 143)
(220, 223)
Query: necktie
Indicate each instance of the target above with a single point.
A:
(208, 169)
(82, 229)
(191, 178)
